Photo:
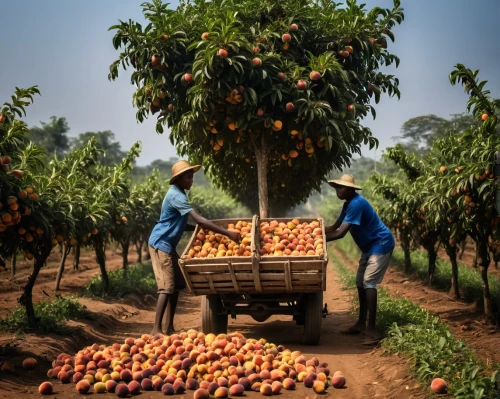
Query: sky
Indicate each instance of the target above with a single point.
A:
(65, 48)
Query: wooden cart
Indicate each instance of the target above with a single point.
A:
(259, 286)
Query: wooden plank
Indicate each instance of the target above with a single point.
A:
(288, 279)
(294, 266)
(186, 276)
(212, 285)
(256, 273)
(233, 277)
(200, 278)
(323, 282)
(210, 268)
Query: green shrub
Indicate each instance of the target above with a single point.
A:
(138, 279)
(51, 315)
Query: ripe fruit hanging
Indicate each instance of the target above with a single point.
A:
(281, 76)
(204, 36)
(223, 53)
(484, 116)
(286, 38)
(293, 27)
(256, 62)
(350, 107)
(255, 50)
(315, 75)
(188, 77)
(155, 59)
(301, 84)
(290, 107)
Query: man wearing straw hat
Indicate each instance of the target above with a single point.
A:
(376, 243)
(165, 236)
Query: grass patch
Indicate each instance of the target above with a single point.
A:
(138, 279)
(427, 342)
(51, 314)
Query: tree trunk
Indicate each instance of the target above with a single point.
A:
(76, 261)
(125, 246)
(26, 299)
(101, 260)
(451, 250)
(13, 263)
(462, 249)
(65, 251)
(432, 256)
(139, 244)
(262, 161)
(405, 244)
(483, 259)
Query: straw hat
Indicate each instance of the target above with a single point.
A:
(345, 180)
(180, 167)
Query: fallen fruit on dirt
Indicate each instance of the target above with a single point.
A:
(438, 385)
(29, 363)
(45, 388)
(338, 381)
(83, 386)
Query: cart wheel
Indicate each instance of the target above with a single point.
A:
(313, 317)
(211, 319)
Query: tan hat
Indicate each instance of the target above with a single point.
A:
(180, 167)
(345, 180)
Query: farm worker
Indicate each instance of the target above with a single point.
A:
(165, 237)
(376, 243)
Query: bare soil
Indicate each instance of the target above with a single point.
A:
(369, 371)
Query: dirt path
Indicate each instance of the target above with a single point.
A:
(465, 320)
(369, 373)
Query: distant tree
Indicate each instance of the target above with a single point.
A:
(420, 132)
(113, 153)
(52, 136)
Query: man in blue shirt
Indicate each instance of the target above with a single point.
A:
(164, 238)
(376, 243)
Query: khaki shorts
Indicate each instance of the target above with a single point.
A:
(167, 272)
(371, 270)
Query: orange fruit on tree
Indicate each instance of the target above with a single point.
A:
(442, 169)
(484, 116)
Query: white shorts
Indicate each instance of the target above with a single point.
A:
(371, 270)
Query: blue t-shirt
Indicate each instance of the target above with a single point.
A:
(173, 219)
(370, 234)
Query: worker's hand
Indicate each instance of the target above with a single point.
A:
(235, 237)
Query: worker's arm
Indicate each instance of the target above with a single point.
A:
(333, 227)
(339, 233)
(207, 224)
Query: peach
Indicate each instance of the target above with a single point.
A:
(439, 386)
(122, 390)
(158, 384)
(167, 389)
(64, 377)
(237, 390)
(179, 386)
(319, 386)
(289, 384)
(192, 384)
(126, 375)
(133, 386)
(276, 387)
(45, 388)
(147, 384)
(338, 381)
(100, 387)
(83, 386)
(212, 387)
(29, 363)
(111, 386)
(338, 373)
(221, 392)
(266, 389)
(201, 393)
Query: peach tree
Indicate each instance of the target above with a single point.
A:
(268, 96)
